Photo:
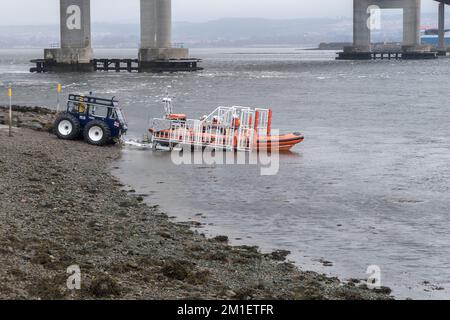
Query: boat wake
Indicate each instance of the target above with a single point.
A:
(137, 144)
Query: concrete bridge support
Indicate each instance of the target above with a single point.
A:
(411, 25)
(361, 32)
(156, 52)
(362, 10)
(76, 52)
(442, 47)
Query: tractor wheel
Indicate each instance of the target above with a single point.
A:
(97, 133)
(66, 127)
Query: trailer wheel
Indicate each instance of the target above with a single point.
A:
(66, 127)
(97, 133)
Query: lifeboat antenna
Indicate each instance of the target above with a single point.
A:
(167, 101)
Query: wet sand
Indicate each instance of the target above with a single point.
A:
(60, 206)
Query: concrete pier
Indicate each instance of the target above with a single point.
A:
(411, 46)
(156, 52)
(75, 53)
(442, 47)
(411, 25)
(361, 32)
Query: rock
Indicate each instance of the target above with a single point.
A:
(326, 263)
(222, 239)
(104, 286)
(286, 267)
(33, 126)
(384, 290)
(230, 293)
(279, 255)
(217, 256)
(176, 270)
(125, 204)
(42, 258)
(192, 224)
(199, 277)
(165, 235)
(121, 213)
(245, 293)
(354, 281)
(252, 249)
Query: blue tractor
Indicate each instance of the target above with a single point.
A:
(99, 121)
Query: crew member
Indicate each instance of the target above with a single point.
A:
(236, 121)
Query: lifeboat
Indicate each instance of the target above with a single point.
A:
(226, 128)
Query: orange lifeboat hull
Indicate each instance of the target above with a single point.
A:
(281, 143)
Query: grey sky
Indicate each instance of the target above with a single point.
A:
(46, 11)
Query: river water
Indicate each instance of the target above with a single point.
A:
(369, 186)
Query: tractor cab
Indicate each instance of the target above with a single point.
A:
(99, 120)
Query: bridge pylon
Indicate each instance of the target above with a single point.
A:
(366, 17)
(157, 52)
(75, 52)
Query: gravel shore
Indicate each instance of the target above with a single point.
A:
(60, 206)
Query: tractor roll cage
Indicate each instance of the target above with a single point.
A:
(111, 103)
(90, 104)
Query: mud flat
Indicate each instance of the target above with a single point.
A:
(60, 206)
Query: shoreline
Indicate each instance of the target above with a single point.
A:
(61, 206)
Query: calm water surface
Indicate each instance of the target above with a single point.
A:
(370, 185)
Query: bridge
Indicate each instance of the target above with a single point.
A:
(156, 52)
(363, 13)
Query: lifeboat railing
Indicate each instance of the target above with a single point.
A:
(226, 128)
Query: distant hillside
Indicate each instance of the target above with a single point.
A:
(242, 32)
(224, 32)
(217, 33)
